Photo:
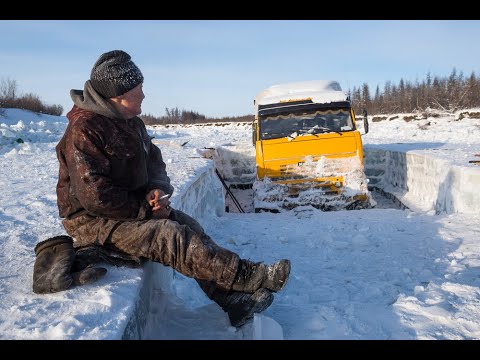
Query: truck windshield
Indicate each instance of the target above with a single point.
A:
(305, 123)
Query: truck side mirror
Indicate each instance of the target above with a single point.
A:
(365, 120)
(254, 133)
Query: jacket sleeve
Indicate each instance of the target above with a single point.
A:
(156, 167)
(91, 183)
(157, 173)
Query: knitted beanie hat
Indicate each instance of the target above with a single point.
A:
(114, 74)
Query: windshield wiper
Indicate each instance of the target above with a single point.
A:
(326, 130)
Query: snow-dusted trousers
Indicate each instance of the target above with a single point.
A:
(179, 242)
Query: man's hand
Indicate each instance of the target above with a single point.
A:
(160, 203)
(157, 199)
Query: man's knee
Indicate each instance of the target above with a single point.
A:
(184, 219)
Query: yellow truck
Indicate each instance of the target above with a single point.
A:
(308, 149)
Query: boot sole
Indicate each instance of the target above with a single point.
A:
(286, 275)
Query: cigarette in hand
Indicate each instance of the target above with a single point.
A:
(157, 202)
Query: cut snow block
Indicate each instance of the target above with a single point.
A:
(265, 328)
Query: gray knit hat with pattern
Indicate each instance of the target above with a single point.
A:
(114, 74)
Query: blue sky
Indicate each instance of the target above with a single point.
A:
(216, 67)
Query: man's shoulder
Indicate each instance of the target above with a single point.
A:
(78, 113)
(85, 119)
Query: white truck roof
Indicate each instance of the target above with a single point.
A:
(319, 91)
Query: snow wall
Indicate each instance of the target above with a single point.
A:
(420, 182)
(199, 198)
(424, 183)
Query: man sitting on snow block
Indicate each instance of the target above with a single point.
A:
(113, 192)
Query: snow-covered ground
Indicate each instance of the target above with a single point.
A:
(367, 274)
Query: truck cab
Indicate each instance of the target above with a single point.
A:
(306, 139)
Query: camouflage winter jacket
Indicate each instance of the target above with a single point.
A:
(107, 163)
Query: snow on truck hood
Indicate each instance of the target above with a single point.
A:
(319, 91)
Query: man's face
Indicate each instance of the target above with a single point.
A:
(131, 102)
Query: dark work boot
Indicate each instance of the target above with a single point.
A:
(86, 256)
(88, 275)
(241, 306)
(54, 259)
(52, 271)
(252, 276)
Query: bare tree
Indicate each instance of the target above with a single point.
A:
(9, 98)
(8, 89)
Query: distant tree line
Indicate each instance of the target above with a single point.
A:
(442, 93)
(177, 116)
(9, 98)
(449, 93)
